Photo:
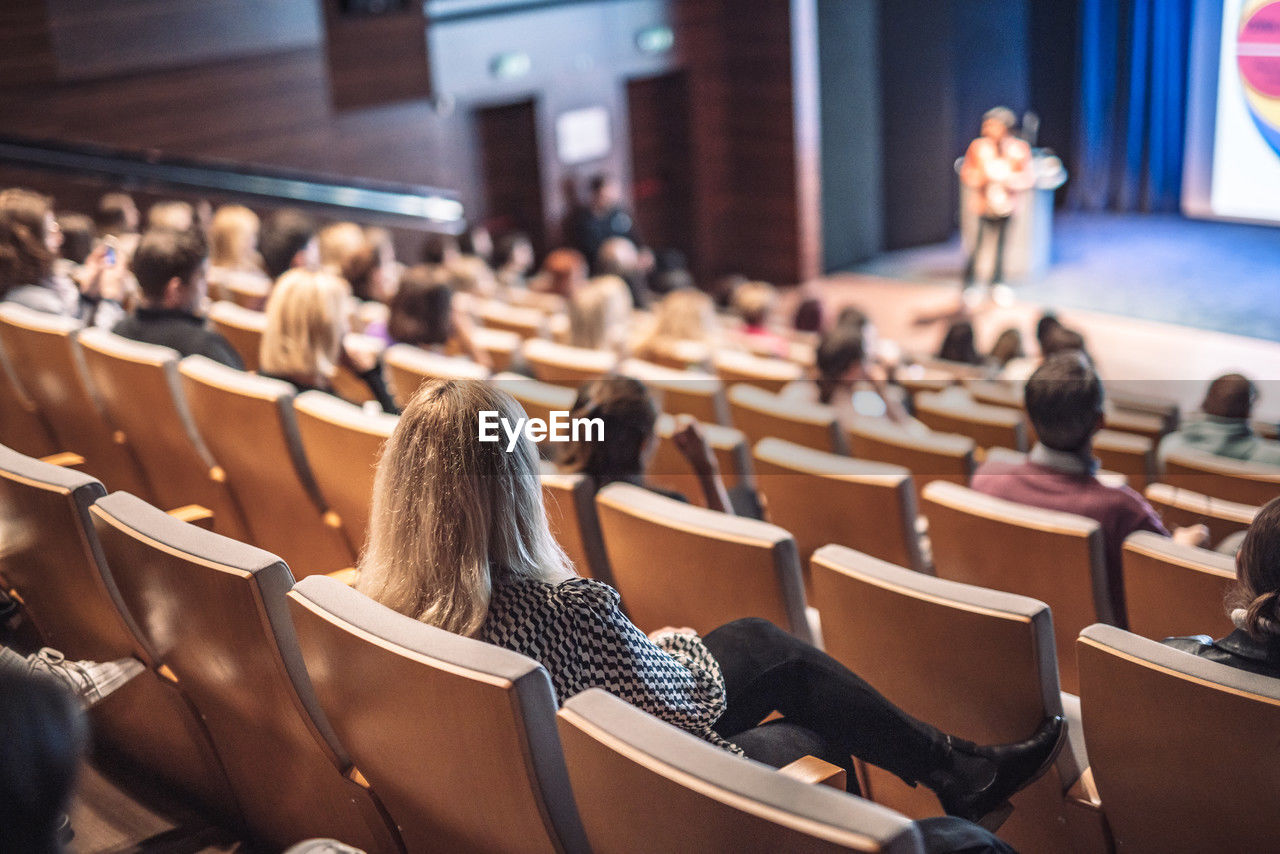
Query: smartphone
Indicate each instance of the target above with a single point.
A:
(111, 256)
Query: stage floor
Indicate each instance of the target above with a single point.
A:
(1209, 275)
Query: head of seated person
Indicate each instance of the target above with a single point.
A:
(684, 315)
(958, 344)
(1008, 347)
(1053, 338)
(306, 322)
(29, 239)
(844, 352)
(172, 215)
(1256, 599)
(170, 269)
(754, 303)
(439, 248)
(337, 242)
(233, 240)
(287, 240)
(599, 314)
(476, 242)
(422, 309)
(513, 257)
(454, 517)
(563, 271)
(117, 215)
(78, 236)
(618, 256)
(370, 268)
(629, 415)
(1230, 397)
(1065, 402)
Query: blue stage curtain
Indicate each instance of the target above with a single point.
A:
(1132, 104)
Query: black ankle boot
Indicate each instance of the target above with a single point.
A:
(975, 782)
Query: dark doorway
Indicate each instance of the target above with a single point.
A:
(661, 168)
(509, 165)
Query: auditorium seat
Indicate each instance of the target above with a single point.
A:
(1153, 427)
(570, 501)
(1172, 590)
(974, 662)
(242, 327)
(1054, 557)
(342, 444)
(140, 390)
(248, 423)
(772, 375)
(45, 356)
(539, 399)
(930, 456)
(679, 355)
(561, 364)
(408, 367)
(678, 565)
(1182, 750)
(51, 558)
(645, 785)
(997, 393)
(762, 415)
(988, 426)
(823, 498)
(22, 427)
(346, 382)
(500, 345)
(670, 470)
(1129, 454)
(682, 392)
(455, 736)
(216, 610)
(1123, 399)
(1234, 480)
(525, 322)
(1180, 508)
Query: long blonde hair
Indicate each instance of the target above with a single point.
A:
(599, 314)
(683, 315)
(233, 239)
(453, 516)
(306, 320)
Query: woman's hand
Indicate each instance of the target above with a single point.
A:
(100, 278)
(692, 445)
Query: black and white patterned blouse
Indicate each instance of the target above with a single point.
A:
(576, 631)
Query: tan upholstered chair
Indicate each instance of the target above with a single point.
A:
(1126, 453)
(1234, 480)
(1181, 749)
(772, 375)
(457, 737)
(1152, 427)
(1172, 590)
(1057, 558)
(970, 661)
(500, 345)
(988, 426)
(538, 399)
(342, 444)
(929, 457)
(409, 367)
(561, 364)
(45, 355)
(670, 470)
(997, 393)
(140, 391)
(1182, 507)
(242, 327)
(22, 427)
(52, 559)
(215, 610)
(525, 322)
(346, 383)
(710, 567)
(762, 415)
(248, 423)
(1123, 399)
(682, 392)
(825, 498)
(645, 785)
(570, 501)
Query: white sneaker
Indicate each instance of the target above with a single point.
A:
(91, 681)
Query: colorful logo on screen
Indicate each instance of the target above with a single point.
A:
(1258, 54)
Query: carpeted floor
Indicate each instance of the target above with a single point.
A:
(1210, 275)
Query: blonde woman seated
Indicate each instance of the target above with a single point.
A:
(600, 314)
(459, 540)
(234, 263)
(424, 313)
(754, 303)
(684, 331)
(302, 344)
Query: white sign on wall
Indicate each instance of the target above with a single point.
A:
(583, 135)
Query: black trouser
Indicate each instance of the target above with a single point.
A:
(1000, 224)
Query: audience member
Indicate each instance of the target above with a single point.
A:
(808, 315)
(287, 240)
(78, 239)
(684, 323)
(1222, 427)
(599, 313)
(754, 303)
(601, 218)
(336, 243)
(302, 344)
(117, 216)
(171, 215)
(1008, 347)
(670, 273)
(491, 569)
(438, 248)
(619, 257)
(513, 260)
(477, 242)
(958, 346)
(170, 269)
(423, 314)
(233, 241)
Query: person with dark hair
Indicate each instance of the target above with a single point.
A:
(78, 238)
(287, 240)
(423, 315)
(998, 170)
(958, 344)
(439, 249)
(173, 215)
(170, 268)
(1255, 604)
(601, 218)
(1222, 427)
(476, 242)
(117, 215)
(513, 259)
(808, 315)
(1053, 337)
(1064, 400)
(1008, 347)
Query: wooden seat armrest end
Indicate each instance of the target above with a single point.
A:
(1087, 828)
(1085, 792)
(194, 514)
(815, 771)
(347, 576)
(66, 460)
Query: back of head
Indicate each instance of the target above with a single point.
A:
(1003, 115)
(360, 269)
(439, 248)
(44, 737)
(285, 233)
(452, 515)
(1230, 396)
(687, 315)
(337, 242)
(957, 344)
(565, 269)
(422, 309)
(617, 256)
(171, 215)
(599, 312)
(1258, 574)
(1008, 347)
(233, 238)
(165, 255)
(1064, 399)
(477, 242)
(25, 259)
(117, 214)
(754, 302)
(78, 236)
(808, 317)
(306, 319)
(628, 413)
(839, 351)
(513, 249)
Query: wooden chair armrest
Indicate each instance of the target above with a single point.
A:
(812, 770)
(347, 576)
(66, 460)
(194, 514)
(1084, 791)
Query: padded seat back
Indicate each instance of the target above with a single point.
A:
(349, 385)
(242, 327)
(215, 611)
(693, 393)
(570, 501)
(670, 470)
(1172, 590)
(1182, 749)
(342, 444)
(457, 737)
(525, 322)
(500, 345)
(932, 456)
(988, 426)
(561, 364)
(711, 567)
(1054, 557)
(22, 427)
(538, 399)
(140, 390)
(682, 794)
(1182, 507)
(409, 367)
(1234, 480)
(772, 375)
(1127, 453)
(248, 423)
(825, 498)
(761, 415)
(46, 359)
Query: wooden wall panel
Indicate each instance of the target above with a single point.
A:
(26, 51)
